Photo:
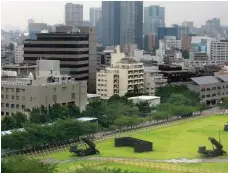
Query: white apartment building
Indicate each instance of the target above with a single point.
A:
(219, 50)
(153, 80)
(47, 87)
(18, 54)
(124, 75)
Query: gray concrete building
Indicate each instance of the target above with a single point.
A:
(131, 23)
(94, 15)
(212, 89)
(154, 17)
(76, 51)
(73, 14)
(110, 23)
(46, 87)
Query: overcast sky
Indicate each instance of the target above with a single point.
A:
(17, 13)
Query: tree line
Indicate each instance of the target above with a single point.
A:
(114, 113)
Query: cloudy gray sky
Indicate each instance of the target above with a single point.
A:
(17, 13)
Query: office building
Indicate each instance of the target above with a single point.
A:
(36, 28)
(122, 23)
(123, 76)
(186, 43)
(150, 42)
(95, 15)
(110, 23)
(167, 31)
(154, 17)
(73, 14)
(219, 50)
(212, 89)
(18, 54)
(75, 50)
(183, 32)
(131, 23)
(46, 87)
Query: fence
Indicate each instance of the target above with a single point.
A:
(60, 147)
(148, 166)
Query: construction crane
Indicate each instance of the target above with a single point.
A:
(217, 149)
(90, 150)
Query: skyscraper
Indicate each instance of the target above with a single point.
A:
(110, 23)
(122, 23)
(73, 14)
(154, 17)
(94, 15)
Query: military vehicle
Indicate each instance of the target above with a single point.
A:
(217, 149)
(89, 150)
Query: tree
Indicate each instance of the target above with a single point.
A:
(11, 46)
(73, 110)
(224, 104)
(21, 164)
(144, 108)
(8, 123)
(20, 119)
(185, 54)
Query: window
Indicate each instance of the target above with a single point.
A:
(12, 105)
(214, 88)
(7, 105)
(12, 97)
(2, 104)
(2, 113)
(17, 106)
(23, 90)
(63, 88)
(72, 96)
(2, 88)
(7, 113)
(17, 90)
(31, 99)
(2, 96)
(17, 97)
(203, 96)
(23, 106)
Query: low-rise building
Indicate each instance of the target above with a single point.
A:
(22, 70)
(212, 89)
(151, 100)
(153, 80)
(46, 87)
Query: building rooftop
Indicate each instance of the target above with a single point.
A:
(92, 95)
(86, 119)
(144, 97)
(223, 77)
(205, 80)
(128, 61)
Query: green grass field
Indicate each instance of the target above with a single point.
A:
(178, 141)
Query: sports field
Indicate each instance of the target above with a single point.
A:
(178, 141)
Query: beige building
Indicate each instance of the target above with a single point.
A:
(153, 80)
(46, 87)
(124, 75)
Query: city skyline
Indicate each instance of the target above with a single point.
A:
(25, 10)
